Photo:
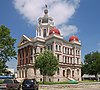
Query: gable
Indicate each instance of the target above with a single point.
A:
(24, 39)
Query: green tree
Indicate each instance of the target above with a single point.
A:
(91, 64)
(7, 49)
(47, 63)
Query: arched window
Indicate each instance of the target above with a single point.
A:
(59, 48)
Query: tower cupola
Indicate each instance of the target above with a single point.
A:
(45, 24)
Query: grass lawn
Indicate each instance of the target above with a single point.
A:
(89, 81)
(1, 81)
(51, 83)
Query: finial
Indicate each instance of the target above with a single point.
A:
(46, 5)
(46, 10)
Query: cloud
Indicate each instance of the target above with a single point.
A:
(60, 10)
(67, 30)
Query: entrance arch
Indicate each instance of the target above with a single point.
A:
(68, 73)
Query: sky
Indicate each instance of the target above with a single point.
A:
(72, 17)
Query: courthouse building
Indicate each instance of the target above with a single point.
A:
(48, 36)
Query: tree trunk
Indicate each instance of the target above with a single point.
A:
(44, 78)
(97, 78)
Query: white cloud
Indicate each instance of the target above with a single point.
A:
(67, 30)
(60, 10)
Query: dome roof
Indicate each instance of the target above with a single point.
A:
(73, 38)
(54, 30)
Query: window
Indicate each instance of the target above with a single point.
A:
(65, 59)
(68, 50)
(77, 71)
(59, 48)
(58, 56)
(77, 60)
(64, 73)
(71, 60)
(48, 47)
(39, 32)
(58, 71)
(68, 59)
(44, 33)
(56, 47)
(40, 49)
(65, 50)
(72, 73)
(71, 51)
(35, 50)
(76, 52)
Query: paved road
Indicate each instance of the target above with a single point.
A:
(74, 89)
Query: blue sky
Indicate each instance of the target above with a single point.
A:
(84, 21)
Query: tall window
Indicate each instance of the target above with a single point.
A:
(65, 59)
(58, 56)
(48, 47)
(44, 33)
(64, 73)
(65, 50)
(56, 47)
(77, 60)
(35, 50)
(71, 60)
(68, 59)
(77, 71)
(72, 73)
(41, 49)
(58, 71)
(59, 48)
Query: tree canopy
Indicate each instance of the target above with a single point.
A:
(47, 63)
(7, 49)
(91, 64)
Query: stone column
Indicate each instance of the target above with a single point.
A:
(28, 54)
(25, 56)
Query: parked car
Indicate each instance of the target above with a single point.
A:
(30, 84)
(10, 84)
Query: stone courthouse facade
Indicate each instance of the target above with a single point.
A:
(49, 37)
